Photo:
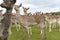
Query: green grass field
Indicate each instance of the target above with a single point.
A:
(54, 35)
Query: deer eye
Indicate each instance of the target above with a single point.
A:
(13, 1)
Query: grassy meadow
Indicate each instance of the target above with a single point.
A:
(54, 35)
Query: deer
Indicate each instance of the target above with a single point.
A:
(1, 18)
(5, 22)
(27, 22)
(14, 21)
(25, 10)
(37, 13)
(17, 17)
(58, 20)
(29, 14)
(50, 19)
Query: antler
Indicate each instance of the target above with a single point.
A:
(27, 8)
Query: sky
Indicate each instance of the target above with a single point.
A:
(39, 5)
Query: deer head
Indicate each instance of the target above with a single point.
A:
(25, 9)
(20, 5)
(8, 4)
(16, 7)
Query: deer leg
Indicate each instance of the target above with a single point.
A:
(10, 29)
(23, 36)
(19, 26)
(43, 34)
(46, 25)
(49, 27)
(6, 34)
(16, 26)
(1, 38)
(43, 31)
(53, 25)
(28, 31)
(6, 39)
(59, 27)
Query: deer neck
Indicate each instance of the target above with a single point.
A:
(6, 20)
(17, 13)
(25, 12)
(9, 11)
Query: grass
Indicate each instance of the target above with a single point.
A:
(54, 35)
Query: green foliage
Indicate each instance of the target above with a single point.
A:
(56, 13)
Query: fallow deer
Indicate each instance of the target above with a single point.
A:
(50, 19)
(5, 22)
(58, 20)
(27, 21)
(15, 18)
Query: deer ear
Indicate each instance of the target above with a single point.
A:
(20, 5)
(28, 8)
(14, 1)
